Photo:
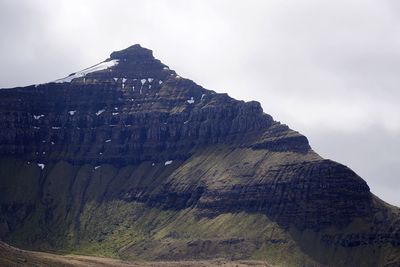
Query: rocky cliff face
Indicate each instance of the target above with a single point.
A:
(135, 110)
(161, 156)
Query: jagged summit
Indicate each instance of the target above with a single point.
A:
(134, 62)
(135, 53)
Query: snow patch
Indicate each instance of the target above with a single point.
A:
(165, 68)
(41, 165)
(108, 141)
(191, 100)
(72, 112)
(101, 66)
(115, 79)
(160, 82)
(168, 162)
(150, 80)
(37, 117)
(143, 81)
(100, 111)
(115, 113)
(96, 167)
(56, 128)
(202, 96)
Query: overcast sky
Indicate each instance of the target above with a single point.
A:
(328, 69)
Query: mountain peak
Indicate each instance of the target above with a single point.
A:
(133, 52)
(134, 62)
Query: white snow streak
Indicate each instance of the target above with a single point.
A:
(100, 111)
(101, 66)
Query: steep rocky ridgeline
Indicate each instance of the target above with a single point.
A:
(128, 159)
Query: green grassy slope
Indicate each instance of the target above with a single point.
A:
(86, 210)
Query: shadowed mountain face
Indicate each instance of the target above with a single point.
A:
(128, 159)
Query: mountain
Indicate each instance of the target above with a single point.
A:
(127, 159)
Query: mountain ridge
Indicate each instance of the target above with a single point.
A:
(162, 157)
